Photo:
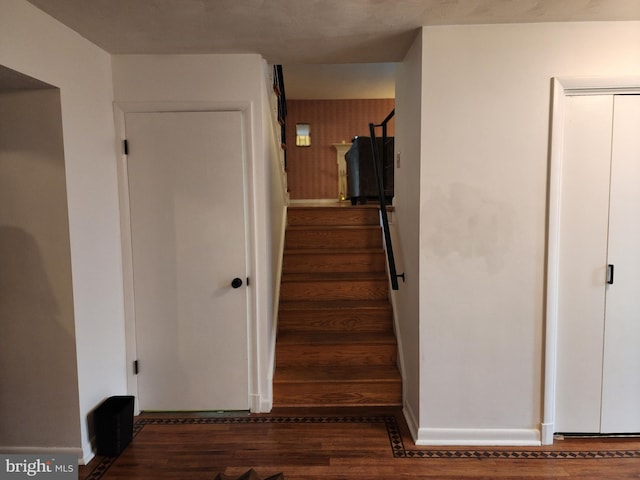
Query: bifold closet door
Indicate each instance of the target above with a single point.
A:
(598, 368)
(583, 256)
(621, 365)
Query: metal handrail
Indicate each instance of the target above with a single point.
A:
(383, 207)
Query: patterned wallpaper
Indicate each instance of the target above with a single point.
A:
(312, 172)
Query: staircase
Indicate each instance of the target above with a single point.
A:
(336, 345)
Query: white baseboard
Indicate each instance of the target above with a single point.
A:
(45, 451)
(512, 437)
(87, 451)
(266, 404)
(86, 458)
(547, 431)
(260, 403)
(412, 422)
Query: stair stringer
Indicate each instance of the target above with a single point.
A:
(267, 400)
(398, 257)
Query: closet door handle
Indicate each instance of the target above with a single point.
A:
(610, 274)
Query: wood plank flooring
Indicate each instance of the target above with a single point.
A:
(363, 443)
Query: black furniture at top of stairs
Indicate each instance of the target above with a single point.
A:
(361, 178)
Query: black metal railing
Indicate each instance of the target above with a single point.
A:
(377, 167)
(278, 88)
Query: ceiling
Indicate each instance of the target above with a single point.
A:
(302, 31)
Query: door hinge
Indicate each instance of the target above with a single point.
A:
(135, 367)
(126, 146)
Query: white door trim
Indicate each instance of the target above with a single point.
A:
(562, 87)
(122, 108)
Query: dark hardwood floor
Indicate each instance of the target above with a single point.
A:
(347, 443)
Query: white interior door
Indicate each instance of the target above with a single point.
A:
(598, 359)
(187, 201)
(621, 368)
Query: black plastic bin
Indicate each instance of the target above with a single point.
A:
(113, 424)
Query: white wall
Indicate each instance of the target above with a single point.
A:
(37, 345)
(315, 81)
(278, 215)
(407, 223)
(36, 45)
(220, 80)
(486, 102)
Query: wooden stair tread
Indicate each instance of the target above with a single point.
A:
(334, 260)
(332, 216)
(364, 228)
(333, 251)
(342, 338)
(339, 206)
(335, 305)
(346, 374)
(331, 237)
(332, 276)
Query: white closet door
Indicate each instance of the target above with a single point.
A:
(621, 370)
(186, 183)
(583, 247)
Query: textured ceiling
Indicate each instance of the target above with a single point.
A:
(313, 39)
(302, 31)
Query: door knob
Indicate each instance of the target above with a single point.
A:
(236, 283)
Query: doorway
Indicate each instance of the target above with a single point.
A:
(38, 339)
(598, 391)
(583, 392)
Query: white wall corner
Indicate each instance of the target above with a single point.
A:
(512, 437)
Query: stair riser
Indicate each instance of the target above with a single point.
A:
(337, 394)
(335, 321)
(322, 238)
(331, 355)
(331, 216)
(328, 263)
(330, 291)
